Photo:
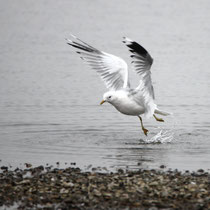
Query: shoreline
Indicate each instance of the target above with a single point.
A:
(71, 188)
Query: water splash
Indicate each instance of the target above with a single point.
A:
(164, 135)
(161, 137)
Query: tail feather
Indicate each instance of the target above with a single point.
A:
(158, 111)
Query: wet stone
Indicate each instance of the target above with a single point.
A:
(4, 168)
(162, 166)
(70, 188)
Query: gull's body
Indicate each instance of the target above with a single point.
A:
(114, 72)
(123, 103)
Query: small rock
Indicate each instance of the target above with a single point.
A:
(68, 184)
(96, 192)
(4, 168)
(154, 183)
(28, 165)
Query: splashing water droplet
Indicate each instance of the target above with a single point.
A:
(161, 137)
(164, 134)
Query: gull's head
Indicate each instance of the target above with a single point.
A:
(109, 97)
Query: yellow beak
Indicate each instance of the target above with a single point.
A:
(102, 102)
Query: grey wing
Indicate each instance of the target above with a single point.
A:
(112, 69)
(142, 62)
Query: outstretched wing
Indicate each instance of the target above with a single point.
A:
(142, 62)
(112, 69)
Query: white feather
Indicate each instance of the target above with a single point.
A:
(112, 69)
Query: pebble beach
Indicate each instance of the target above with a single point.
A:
(53, 188)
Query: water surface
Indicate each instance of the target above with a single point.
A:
(49, 99)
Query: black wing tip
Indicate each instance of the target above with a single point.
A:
(80, 46)
(137, 48)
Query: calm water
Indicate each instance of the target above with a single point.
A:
(49, 99)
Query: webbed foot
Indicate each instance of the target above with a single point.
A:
(158, 119)
(145, 131)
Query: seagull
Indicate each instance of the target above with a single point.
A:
(113, 71)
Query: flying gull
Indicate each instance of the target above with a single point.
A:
(114, 73)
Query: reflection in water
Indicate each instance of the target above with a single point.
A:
(136, 155)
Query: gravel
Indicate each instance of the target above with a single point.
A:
(52, 188)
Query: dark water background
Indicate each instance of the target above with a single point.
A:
(49, 99)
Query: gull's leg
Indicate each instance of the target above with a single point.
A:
(144, 129)
(158, 119)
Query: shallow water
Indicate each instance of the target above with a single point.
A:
(49, 99)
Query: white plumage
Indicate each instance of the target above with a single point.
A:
(114, 72)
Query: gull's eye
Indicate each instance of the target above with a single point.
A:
(109, 96)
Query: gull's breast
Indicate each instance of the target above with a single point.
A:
(129, 107)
